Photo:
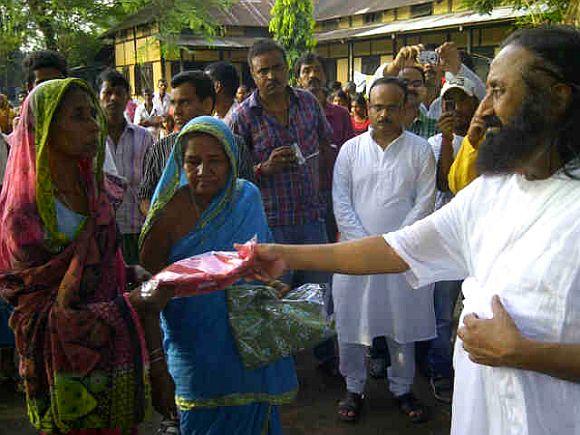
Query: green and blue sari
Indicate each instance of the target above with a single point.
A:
(215, 394)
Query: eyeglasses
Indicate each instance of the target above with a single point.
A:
(390, 108)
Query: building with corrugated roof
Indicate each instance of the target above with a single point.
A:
(352, 36)
(138, 53)
(359, 36)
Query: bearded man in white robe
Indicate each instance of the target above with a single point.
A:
(384, 180)
(512, 235)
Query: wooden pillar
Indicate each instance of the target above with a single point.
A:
(350, 60)
(470, 41)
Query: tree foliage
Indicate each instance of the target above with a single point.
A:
(74, 27)
(539, 12)
(173, 16)
(292, 25)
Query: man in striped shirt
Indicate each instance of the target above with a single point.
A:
(287, 131)
(127, 144)
(192, 95)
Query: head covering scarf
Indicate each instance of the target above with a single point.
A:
(234, 215)
(82, 352)
(174, 178)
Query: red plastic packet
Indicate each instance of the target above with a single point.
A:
(208, 272)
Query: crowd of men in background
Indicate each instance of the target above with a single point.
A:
(323, 178)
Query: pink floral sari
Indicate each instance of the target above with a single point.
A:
(82, 352)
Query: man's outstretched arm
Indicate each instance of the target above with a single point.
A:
(371, 255)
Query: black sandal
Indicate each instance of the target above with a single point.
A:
(410, 406)
(168, 427)
(352, 403)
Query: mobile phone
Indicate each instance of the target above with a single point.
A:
(299, 156)
(448, 106)
(428, 57)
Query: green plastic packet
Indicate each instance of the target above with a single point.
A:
(267, 328)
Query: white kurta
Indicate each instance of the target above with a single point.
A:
(376, 191)
(442, 198)
(518, 239)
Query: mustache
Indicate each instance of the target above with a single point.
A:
(315, 82)
(508, 146)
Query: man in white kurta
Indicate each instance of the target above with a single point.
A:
(379, 189)
(531, 260)
(512, 235)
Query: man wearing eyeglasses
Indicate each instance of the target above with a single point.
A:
(384, 180)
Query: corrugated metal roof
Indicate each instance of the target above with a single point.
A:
(243, 13)
(250, 13)
(225, 42)
(421, 24)
(329, 9)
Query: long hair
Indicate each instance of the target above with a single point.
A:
(557, 51)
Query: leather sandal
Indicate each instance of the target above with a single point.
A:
(412, 408)
(351, 404)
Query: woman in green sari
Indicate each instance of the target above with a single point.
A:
(89, 352)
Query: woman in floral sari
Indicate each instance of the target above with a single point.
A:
(84, 345)
(200, 205)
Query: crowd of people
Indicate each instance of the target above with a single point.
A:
(426, 188)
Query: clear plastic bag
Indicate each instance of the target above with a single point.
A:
(267, 328)
(311, 293)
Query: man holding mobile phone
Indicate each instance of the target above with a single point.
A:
(448, 65)
(285, 129)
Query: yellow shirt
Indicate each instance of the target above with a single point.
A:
(463, 170)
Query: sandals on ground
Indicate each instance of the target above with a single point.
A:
(351, 404)
(168, 427)
(410, 406)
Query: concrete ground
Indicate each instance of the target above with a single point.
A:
(313, 413)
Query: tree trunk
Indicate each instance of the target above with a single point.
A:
(573, 14)
(39, 14)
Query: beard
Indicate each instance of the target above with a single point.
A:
(508, 147)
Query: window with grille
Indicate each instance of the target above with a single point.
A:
(371, 18)
(422, 10)
(330, 25)
(143, 77)
(370, 64)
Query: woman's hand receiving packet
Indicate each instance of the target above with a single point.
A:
(207, 272)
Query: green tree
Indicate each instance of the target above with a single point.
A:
(539, 12)
(292, 25)
(74, 27)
